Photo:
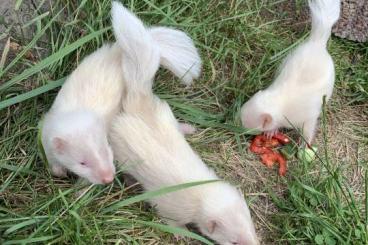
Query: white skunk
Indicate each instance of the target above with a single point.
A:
(306, 75)
(74, 132)
(146, 137)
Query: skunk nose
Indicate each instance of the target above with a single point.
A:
(107, 179)
(107, 176)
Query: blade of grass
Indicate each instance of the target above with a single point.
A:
(161, 11)
(174, 230)
(20, 226)
(150, 194)
(23, 218)
(30, 240)
(15, 168)
(31, 94)
(14, 173)
(5, 54)
(53, 58)
(17, 4)
(38, 18)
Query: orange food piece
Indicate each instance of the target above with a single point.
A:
(262, 145)
(259, 140)
(283, 139)
(257, 145)
(259, 149)
(282, 164)
(270, 143)
(269, 159)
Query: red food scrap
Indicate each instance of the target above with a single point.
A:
(283, 139)
(272, 143)
(262, 145)
(269, 159)
(282, 164)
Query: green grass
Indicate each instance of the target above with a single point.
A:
(241, 44)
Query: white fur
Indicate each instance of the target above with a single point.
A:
(178, 53)
(306, 75)
(74, 130)
(144, 49)
(324, 15)
(137, 44)
(79, 117)
(147, 138)
(157, 155)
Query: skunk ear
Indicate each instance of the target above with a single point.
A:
(59, 144)
(266, 120)
(211, 225)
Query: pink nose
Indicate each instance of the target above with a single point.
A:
(107, 179)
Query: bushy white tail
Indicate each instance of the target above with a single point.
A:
(141, 56)
(178, 53)
(324, 15)
(144, 49)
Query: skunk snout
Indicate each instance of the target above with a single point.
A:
(107, 179)
(107, 176)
